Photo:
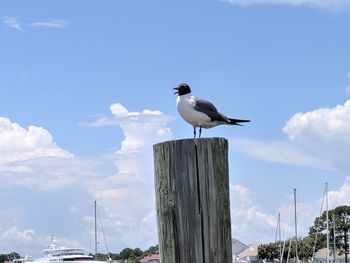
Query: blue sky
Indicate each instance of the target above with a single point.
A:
(86, 90)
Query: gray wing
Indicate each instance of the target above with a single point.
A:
(208, 108)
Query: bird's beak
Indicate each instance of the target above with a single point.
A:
(177, 90)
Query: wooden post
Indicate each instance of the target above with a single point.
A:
(192, 197)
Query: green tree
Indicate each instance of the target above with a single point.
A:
(341, 225)
(151, 250)
(268, 251)
(102, 257)
(3, 257)
(272, 251)
(305, 248)
(8, 257)
(132, 255)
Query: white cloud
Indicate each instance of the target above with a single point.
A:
(122, 183)
(251, 224)
(340, 197)
(119, 110)
(280, 152)
(52, 173)
(247, 216)
(12, 22)
(15, 169)
(20, 144)
(148, 224)
(128, 195)
(15, 235)
(326, 4)
(122, 115)
(50, 23)
(317, 139)
(325, 125)
(324, 132)
(29, 157)
(305, 218)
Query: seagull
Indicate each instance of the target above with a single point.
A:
(199, 112)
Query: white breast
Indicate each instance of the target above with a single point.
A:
(185, 106)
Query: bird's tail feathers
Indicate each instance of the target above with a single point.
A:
(237, 121)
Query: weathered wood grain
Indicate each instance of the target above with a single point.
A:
(192, 198)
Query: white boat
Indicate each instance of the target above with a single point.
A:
(53, 253)
(66, 254)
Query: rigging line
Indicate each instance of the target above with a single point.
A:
(334, 245)
(278, 222)
(286, 233)
(317, 230)
(278, 234)
(290, 245)
(296, 225)
(103, 232)
(95, 208)
(327, 223)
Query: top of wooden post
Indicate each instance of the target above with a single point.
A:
(194, 141)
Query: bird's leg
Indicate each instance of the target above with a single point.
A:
(194, 132)
(200, 131)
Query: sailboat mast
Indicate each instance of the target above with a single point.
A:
(327, 224)
(277, 235)
(334, 248)
(95, 205)
(295, 224)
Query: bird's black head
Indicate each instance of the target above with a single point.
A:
(182, 89)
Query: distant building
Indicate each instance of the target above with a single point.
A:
(237, 246)
(249, 255)
(321, 257)
(153, 258)
(241, 253)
